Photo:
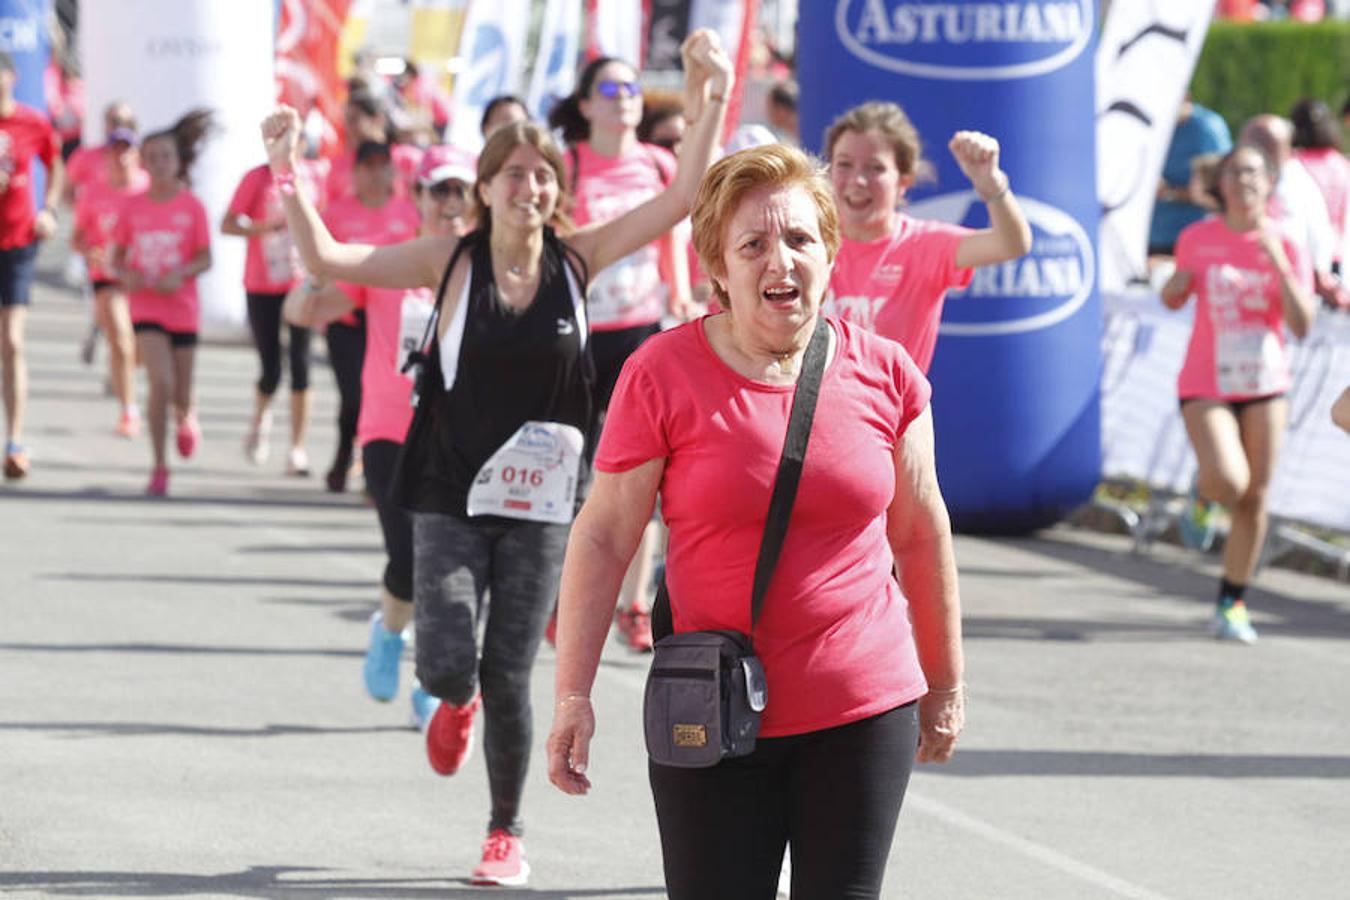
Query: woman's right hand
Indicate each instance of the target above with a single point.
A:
(569, 745)
(281, 138)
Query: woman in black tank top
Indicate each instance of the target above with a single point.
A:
(497, 449)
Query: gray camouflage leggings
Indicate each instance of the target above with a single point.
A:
(501, 578)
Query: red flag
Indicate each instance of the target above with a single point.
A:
(307, 62)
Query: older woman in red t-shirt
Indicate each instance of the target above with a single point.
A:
(698, 417)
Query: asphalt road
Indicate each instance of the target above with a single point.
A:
(181, 712)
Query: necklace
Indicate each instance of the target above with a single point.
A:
(515, 270)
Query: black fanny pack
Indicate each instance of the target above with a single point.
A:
(706, 689)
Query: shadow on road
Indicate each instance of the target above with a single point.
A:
(1059, 763)
(164, 729)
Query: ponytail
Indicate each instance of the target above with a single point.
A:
(188, 134)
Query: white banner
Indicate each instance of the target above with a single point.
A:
(493, 50)
(1142, 433)
(1145, 57)
(166, 57)
(615, 29)
(555, 66)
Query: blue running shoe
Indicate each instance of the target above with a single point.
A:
(382, 658)
(423, 706)
(1196, 524)
(1232, 623)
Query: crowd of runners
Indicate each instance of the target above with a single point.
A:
(480, 314)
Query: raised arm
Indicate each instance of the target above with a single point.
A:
(920, 536)
(709, 75)
(411, 264)
(604, 537)
(1008, 235)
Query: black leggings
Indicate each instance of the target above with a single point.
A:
(378, 459)
(347, 352)
(833, 796)
(264, 319)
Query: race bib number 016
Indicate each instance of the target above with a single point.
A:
(533, 476)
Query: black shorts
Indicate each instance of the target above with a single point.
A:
(610, 350)
(16, 274)
(103, 284)
(177, 339)
(1234, 406)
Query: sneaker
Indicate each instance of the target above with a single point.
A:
(423, 706)
(503, 861)
(551, 631)
(159, 482)
(1196, 524)
(255, 442)
(382, 658)
(1232, 623)
(16, 462)
(450, 735)
(635, 625)
(189, 436)
(336, 479)
(297, 463)
(129, 424)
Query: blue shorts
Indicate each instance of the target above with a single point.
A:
(16, 274)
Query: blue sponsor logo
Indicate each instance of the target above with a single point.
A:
(972, 40)
(487, 69)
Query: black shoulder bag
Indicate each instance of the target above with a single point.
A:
(706, 689)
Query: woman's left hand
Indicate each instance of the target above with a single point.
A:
(569, 745)
(706, 66)
(977, 155)
(941, 718)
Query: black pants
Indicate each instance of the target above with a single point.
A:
(833, 796)
(378, 459)
(264, 320)
(347, 352)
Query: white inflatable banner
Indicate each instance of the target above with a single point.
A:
(493, 48)
(166, 57)
(1145, 57)
(1142, 434)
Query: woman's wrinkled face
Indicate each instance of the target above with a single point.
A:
(524, 191)
(444, 207)
(160, 158)
(1244, 181)
(614, 102)
(867, 184)
(777, 264)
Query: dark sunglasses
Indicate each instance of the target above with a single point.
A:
(610, 88)
(444, 190)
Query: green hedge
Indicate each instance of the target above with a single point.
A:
(1264, 67)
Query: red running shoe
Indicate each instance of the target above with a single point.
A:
(635, 624)
(450, 735)
(189, 435)
(159, 482)
(503, 861)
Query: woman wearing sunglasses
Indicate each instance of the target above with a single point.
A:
(495, 458)
(611, 172)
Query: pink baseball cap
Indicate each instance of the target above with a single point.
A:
(442, 162)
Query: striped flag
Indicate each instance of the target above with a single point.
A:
(493, 50)
(555, 67)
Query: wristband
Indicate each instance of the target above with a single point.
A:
(1007, 186)
(959, 689)
(285, 182)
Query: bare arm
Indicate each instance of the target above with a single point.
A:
(1340, 411)
(1296, 303)
(45, 224)
(411, 264)
(920, 537)
(604, 537)
(1008, 235)
(240, 225)
(1177, 290)
(709, 72)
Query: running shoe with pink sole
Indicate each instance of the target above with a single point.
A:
(450, 735)
(129, 424)
(189, 436)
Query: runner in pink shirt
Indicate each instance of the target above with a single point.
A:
(396, 321)
(1250, 282)
(271, 269)
(365, 120)
(162, 242)
(893, 271)
(1317, 146)
(97, 207)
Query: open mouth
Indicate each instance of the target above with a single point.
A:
(781, 294)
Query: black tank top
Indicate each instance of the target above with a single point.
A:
(512, 367)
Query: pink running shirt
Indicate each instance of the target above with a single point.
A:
(895, 285)
(386, 394)
(97, 208)
(338, 183)
(271, 263)
(635, 290)
(834, 634)
(159, 237)
(1237, 348)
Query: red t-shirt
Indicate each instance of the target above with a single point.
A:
(97, 209)
(633, 291)
(395, 322)
(271, 264)
(407, 159)
(352, 222)
(1236, 349)
(24, 134)
(834, 633)
(160, 236)
(895, 286)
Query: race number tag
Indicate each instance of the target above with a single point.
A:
(1247, 361)
(413, 318)
(533, 476)
(279, 256)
